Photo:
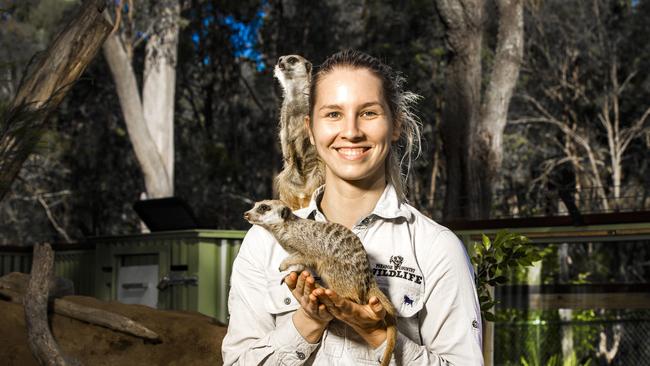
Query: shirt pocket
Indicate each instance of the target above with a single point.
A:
(278, 298)
(407, 298)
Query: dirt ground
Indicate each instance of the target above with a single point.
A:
(188, 338)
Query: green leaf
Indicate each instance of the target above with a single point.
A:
(489, 316)
(486, 242)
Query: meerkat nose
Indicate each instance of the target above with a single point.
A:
(246, 215)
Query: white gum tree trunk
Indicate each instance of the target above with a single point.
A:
(149, 116)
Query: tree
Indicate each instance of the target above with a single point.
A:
(472, 124)
(587, 95)
(149, 115)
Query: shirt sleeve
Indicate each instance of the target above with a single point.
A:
(450, 322)
(252, 337)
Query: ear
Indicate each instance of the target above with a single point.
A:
(397, 130)
(308, 129)
(308, 67)
(285, 213)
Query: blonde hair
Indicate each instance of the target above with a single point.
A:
(401, 104)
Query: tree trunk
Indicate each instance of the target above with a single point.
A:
(473, 131)
(160, 84)
(42, 344)
(150, 119)
(45, 85)
(462, 20)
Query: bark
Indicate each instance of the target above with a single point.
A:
(473, 131)
(41, 342)
(159, 84)
(150, 118)
(105, 319)
(462, 20)
(151, 163)
(45, 85)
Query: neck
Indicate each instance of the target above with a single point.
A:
(347, 202)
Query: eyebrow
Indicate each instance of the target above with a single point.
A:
(364, 105)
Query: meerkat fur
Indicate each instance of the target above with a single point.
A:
(302, 170)
(332, 250)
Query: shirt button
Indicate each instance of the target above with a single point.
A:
(301, 356)
(287, 301)
(475, 324)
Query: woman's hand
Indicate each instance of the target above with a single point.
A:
(366, 320)
(312, 317)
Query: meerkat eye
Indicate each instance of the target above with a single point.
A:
(292, 60)
(264, 208)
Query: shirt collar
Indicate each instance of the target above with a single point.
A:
(388, 206)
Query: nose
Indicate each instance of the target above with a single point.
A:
(246, 215)
(351, 130)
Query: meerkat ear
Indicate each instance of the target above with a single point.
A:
(308, 67)
(285, 213)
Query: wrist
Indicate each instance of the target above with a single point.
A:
(309, 328)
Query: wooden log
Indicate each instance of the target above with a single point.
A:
(40, 339)
(46, 83)
(104, 318)
(18, 282)
(13, 287)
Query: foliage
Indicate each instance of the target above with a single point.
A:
(495, 259)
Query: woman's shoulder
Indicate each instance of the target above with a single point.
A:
(432, 236)
(422, 222)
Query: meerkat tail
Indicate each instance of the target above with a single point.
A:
(391, 323)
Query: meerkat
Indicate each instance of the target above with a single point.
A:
(302, 170)
(332, 250)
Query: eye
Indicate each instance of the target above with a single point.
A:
(292, 60)
(264, 208)
(369, 114)
(333, 115)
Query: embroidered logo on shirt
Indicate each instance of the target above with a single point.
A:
(396, 260)
(407, 273)
(408, 301)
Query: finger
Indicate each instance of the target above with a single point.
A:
(323, 298)
(313, 304)
(291, 279)
(376, 306)
(309, 285)
(337, 300)
(323, 313)
(300, 284)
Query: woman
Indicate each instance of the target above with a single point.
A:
(362, 128)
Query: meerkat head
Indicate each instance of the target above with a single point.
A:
(292, 68)
(269, 212)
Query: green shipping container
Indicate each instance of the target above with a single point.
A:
(196, 263)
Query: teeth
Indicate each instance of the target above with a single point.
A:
(351, 152)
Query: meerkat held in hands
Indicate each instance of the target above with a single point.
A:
(332, 250)
(302, 172)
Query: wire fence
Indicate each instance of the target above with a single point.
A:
(622, 341)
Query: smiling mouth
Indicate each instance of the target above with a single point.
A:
(352, 153)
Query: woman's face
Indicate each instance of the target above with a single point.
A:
(352, 128)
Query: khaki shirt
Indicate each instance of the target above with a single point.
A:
(422, 267)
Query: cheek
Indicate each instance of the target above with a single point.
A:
(324, 133)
